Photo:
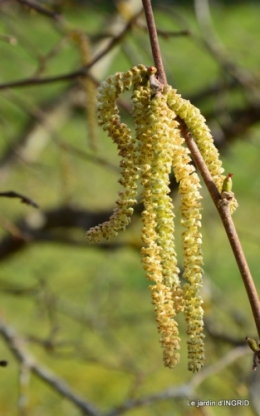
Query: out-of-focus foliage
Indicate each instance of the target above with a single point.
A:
(85, 311)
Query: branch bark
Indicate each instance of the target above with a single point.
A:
(154, 41)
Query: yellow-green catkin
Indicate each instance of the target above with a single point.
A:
(189, 186)
(108, 117)
(156, 150)
(192, 262)
(158, 255)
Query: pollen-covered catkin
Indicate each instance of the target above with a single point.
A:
(109, 118)
(156, 150)
(193, 260)
(159, 256)
(189, 186)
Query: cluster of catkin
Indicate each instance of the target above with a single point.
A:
(157, 150)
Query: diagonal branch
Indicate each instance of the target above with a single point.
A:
(24, 199)
(26, 359)
(40, 9)
(84, 71)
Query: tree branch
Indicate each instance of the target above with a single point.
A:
(16, 346)
(224, 210)
(40, 9)
(24, 199)
(182, 391)
(79, 72)
(52, 227)
(154, 41)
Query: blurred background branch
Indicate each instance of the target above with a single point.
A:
(85, 311)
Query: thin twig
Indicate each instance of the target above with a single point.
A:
(154, 41)
(16, 345)
(183, 391)
(40, 9)
(47, 80)
(166, 33)
(79, 72)
(24, 199)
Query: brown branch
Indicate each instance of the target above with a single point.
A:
(47, 80)
(166, 33)
(154, 41)
(40, 9)
(223, 337)
(55, 227)
(24, 199)
(173, 34)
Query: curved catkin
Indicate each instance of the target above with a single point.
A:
(109, 118)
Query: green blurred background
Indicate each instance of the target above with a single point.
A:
(85, 311)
